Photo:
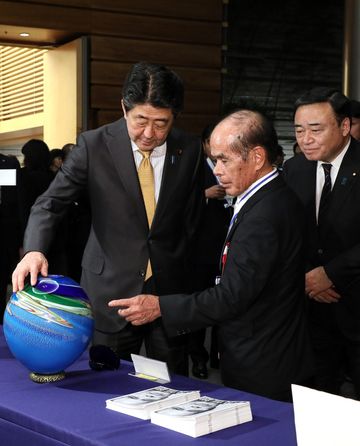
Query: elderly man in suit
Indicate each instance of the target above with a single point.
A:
(326, 177)
(144, 182)
(259, 302)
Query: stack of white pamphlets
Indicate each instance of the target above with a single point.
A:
(141, 404)
(203, 416)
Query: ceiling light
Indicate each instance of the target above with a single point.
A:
(24, 34)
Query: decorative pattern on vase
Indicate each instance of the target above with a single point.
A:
(48, 326)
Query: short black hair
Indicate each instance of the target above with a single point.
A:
(56, 153)
(337, 100)
(154, 84)
(36, 154)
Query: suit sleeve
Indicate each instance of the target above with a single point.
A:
(344, 269)
(246, 274)
(51, 207)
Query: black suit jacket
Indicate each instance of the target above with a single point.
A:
(339, 248)
(259, 304)
(120, 242)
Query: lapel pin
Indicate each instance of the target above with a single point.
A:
(354, 174)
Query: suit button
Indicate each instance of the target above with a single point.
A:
(142, 273)
(150, 242)
(320, 251)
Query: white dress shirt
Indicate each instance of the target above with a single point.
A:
(320, 176)
(157, 159)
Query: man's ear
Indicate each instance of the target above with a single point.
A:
(346, 126)
(259, 154)
(123, 108)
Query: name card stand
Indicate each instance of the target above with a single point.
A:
(150, 369)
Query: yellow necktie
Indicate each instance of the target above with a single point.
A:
(146, 179)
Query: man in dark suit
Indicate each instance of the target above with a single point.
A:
(130, 249)
(322, 126)
(258, 304)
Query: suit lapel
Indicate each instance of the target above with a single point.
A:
(348, 175)
(118, 142)
(274, 184)
(169, 181)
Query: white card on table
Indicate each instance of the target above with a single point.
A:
(150, 369)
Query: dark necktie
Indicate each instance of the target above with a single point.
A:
(326, 192)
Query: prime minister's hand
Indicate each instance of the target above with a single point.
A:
(138, 310)
(33, 262)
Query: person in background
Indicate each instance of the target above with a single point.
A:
(144, 181)
(326, 178)
(206, 258)
(279, 158)
(355, 119)
(32, 181)
(258, 303)
(10, 239)
(56, 160)
(33, 178)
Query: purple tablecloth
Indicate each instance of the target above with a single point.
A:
(72, 411)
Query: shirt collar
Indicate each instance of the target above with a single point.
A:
(259, 183)
(336, 163)
(250, 191)
(158, 151)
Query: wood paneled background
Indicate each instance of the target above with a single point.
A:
(184, 35)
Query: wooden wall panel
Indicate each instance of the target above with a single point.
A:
(209, 10)
(145, 27)
(45, 16)
(108, 97)
(108, 23)
(125, 50)
(113, 73)
(185, 36)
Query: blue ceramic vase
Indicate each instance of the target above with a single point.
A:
(48, 326)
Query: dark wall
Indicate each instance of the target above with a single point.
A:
(278, 49)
